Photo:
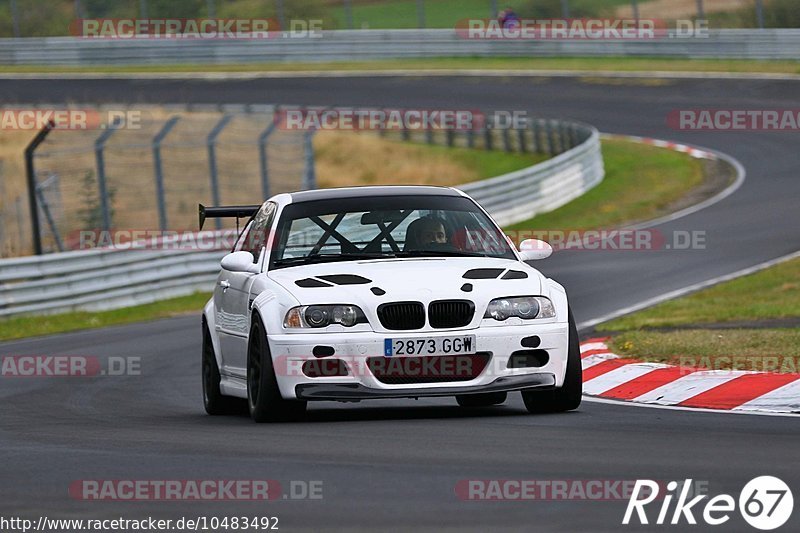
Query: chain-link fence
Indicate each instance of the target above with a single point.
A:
(151, 174)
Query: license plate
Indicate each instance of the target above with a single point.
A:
(463, 344)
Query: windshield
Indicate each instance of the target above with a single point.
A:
(383, 227)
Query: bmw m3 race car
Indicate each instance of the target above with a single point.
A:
(383, 292)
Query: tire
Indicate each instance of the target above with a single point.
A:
(263, 396)
(481, 400)
(214, 401)
(568, 396)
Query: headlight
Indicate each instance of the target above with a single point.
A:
(525, 307)
(320, 316)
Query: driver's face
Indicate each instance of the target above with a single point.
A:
(433, 234)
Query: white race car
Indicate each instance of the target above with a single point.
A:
(383, 292)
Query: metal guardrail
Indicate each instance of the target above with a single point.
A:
(109, 279)
(353, 45)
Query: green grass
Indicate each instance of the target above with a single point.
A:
(615, 64)
(773, 293)
(22, 327)
(488, 164)
(766, 350)
(770, 294)
(641, 181)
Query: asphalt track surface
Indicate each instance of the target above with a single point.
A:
(395, 464)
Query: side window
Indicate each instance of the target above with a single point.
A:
(257, 235)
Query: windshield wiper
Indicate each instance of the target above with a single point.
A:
(328, 258)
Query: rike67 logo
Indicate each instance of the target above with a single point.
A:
(765, 503)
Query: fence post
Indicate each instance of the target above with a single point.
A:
(521, 140)
(15, 18)
(348, 13)
(700, 11)
(262, 153)
(428, 135)
(487, 134)
(31, 175)
(99, 146)
(551, 144)
(49, 215)
(537, 132)
(420, 13)
(506, 140)
(635, 6)
(309, 175)
(211, 141)
(159, 172)
(760, 13)
(565, 9)
(281, 15)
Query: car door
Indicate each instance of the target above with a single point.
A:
(233, 294)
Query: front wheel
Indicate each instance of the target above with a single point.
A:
(263, 396)
(568, 396)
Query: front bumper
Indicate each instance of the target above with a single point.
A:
(290, 351)
(356, 391)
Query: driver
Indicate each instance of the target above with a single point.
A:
(425, 231)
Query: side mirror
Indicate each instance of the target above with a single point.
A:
(240, 262)
(533, 249)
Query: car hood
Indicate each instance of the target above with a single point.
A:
(370, 283)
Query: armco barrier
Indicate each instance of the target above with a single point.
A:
(109, 279)
(351, 45)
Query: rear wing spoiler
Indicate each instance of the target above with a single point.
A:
(232, 211)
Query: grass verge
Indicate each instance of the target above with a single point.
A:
(616, 64)
(34, 326)
(771, 294)
(634, 189)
